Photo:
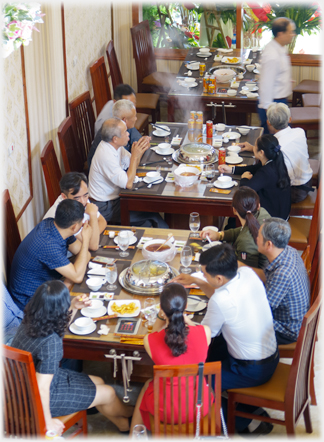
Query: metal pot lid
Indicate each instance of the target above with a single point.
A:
(147, 269)
(237, 69)
(197, 149)
(198, 161)
(137, 288)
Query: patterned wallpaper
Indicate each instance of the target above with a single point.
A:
(16, 174)
(87, 33)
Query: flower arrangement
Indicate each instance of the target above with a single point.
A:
(18, 22)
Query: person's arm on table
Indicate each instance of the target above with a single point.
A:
(138, 149)
(246, 147)
(44, 383)
(185, 280)
(75, 272)
(97, 224)
(77, 303)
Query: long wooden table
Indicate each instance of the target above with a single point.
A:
(181, 200)
(180, 97)
(94, 347)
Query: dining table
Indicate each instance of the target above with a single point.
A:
(94, 346)
(218, 105)
(170, 198)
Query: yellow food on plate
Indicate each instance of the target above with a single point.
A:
(233, 60)
(125, 308)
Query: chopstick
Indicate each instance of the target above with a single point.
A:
(115, 315)
(160, 127)
(116, 247)
(152, 162)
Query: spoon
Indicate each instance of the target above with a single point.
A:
(169, 237)
(149, 186)
(208, 239)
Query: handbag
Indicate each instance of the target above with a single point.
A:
(199, 405)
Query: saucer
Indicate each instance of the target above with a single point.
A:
(87, 331)
(155, 182)
(89, 314)
(191, 68)
(158, 132)
(198, 308)
(233, 160)
(204, 55)
(231, 135)
(224, 186)
(168, 152)
(132, 240)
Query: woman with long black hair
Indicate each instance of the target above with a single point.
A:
(246, 206)
(269, 177)
(62, 391)
(172, 342)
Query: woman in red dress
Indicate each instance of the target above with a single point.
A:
(172, 342)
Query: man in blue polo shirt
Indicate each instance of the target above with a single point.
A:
(41, 256)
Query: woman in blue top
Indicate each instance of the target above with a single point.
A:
(269, 177)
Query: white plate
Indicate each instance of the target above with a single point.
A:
(225, 60)
(190, 68)
(225, 50)
(250, 89)
(77, 331)
(132, 240)
(89, 314)
(204, 55)
(125, 301)
(156, 132)
(209, 245)
(188, 84)
(198, 308)
(168, 152)
(224, 186)
(231, 135)
(233, 160)
(233, 148)
(155, 182)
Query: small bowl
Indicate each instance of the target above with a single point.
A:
(247, 61)
(231, 92)
(83, 323)
(210, 244)
(164, 147)
(189, 80)
(152, 176)
(96, 304)
(225, 179)
(204, 50)
(217, 143)
(163, 255)
(251, 95)
(185, 181)
(192, 303)
(233, 148)
(220, 127)
(94, 284)
(250, 67)
(243, 130)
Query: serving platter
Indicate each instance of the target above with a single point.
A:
(142, 291)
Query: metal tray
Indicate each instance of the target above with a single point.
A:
(237, 69)
(175, 157)
(141, 290)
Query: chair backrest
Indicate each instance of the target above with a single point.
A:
(116, 76)
(52, 172)
(315, 227)
(23, 411)
(101, 89)
(143, 51)
(211, 424)
(297, 391)
(12, 235)
(70, 149)
(83, 121)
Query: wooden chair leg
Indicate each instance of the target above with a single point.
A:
(312, 384)
(307, 419)
(231, 405)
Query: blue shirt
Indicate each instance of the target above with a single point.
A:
(12, 315)
(288, 292)
(42, 251)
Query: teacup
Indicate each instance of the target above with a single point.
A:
(83, 323)
(94, 284)
(152, 176)
(204, 50)
(231, 92)
(233, 154)
(217, 143)
(220, 127)
(250, 67)
(164, 147)
(240, 76)
(225, 179)
(96, 304)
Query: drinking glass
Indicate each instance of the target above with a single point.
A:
(139, 432)
(123, 242)
(194, 224)
(111, 276)
(186, 259)
(209, 173)
(150, 312)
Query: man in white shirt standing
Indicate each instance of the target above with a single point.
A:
(294, 147)
(113, 168)
(275, 73)
(74, 186)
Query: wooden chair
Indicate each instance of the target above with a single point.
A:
(145, 103)
(83, 121)
(288, 389)
(311, 100)
(306, 118)
(305, 87)
(23, 411)
(12, 235)
(52, 172)
(70, 149)
(149, 79)
(210, 424)
(102, 92)
(306, 231)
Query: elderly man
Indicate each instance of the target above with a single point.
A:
(275, 73)
(125, 110)
(41, 256)
(293, 144)
(287, 282)
(108, 174)
(74, 186)
(244, 337)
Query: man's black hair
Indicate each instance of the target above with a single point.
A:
(220, 260)
(123, 89)
(68, 212)
(71, 182)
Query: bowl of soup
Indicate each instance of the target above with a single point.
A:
(186, 176)
(166, 252)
